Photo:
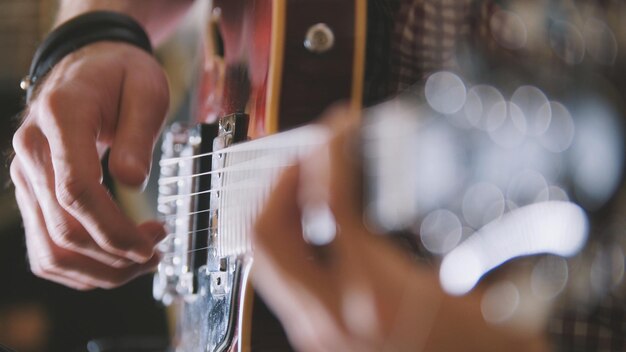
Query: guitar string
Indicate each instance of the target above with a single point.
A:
(241, 243)
(163, 200)
(164, 181)
(313, 134)
(239, 168)
(188, 234)
(174, 217)
(169, 218)
(269, 163)
(242, 185)
(249, 211)
(171, 254)
(289, 139)
(224, 152)
(191, 233)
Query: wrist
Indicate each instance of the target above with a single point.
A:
(157, 17)
(78, 32)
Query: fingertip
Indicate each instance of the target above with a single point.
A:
(141, 256)
(150, 266)
(129, 169)
(151, 233)
(154, 230)
(121, 263)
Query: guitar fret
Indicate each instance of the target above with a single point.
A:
(251, 174)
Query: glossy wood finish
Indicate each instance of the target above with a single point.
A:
(263, 68)
(311, 82)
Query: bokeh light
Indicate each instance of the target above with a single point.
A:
(445, 92)
(507, 125)
(480, 100)
(508, 29)
(597, 155)
(560, 132)
(440, 231)
(549, 277)
(499, 302)
(530, 100)
(600, 41)
(567, 42)
(482, 203)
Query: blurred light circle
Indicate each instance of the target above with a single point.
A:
(531, 100)
(552, 193)
(600, 41)
(480, 100)
(525, 187)
(497, 165)
(567, 42)
(436, 160)
(440, 231)
(560, 133)
(499, 302)
(597, 154)
(607, 268)
(445, 92)
(511, 132)
(532, 155)
(618, 263)
(600, 274)
(549, 277)
(482, 203)
(459, 119)
(508, 29)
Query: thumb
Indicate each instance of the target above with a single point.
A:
(144, 99)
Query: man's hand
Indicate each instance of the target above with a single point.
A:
(358, 293)
(105, 95)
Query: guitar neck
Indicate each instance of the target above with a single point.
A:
(248, 174)
(456, 189)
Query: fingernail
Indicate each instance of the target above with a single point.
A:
(144, 184)
(137, 169)
(159, 235)
(122, 263)
(139, 257)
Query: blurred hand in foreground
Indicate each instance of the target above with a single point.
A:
(359, 292)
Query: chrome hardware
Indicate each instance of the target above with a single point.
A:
(173, 274)
(219, 283)
(185, 284)
(319, 38)
(227, 129)
(25, 83)
(191, 270)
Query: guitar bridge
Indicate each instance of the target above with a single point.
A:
(176, 187)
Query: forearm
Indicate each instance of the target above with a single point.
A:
(158, 17)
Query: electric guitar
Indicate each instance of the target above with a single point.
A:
(269, 65)
(455, 184)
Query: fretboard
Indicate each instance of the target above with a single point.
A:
(249, 173)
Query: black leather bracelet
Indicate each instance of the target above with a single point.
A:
(76, 33)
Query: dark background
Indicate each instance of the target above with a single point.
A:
(36, 315)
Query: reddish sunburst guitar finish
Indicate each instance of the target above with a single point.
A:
(255, 61)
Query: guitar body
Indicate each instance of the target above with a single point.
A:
(259, 77)
(256, 61)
